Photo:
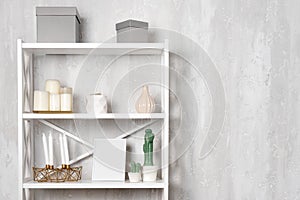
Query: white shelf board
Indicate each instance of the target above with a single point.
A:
(94, 48)
(88, 184)
(95, 116)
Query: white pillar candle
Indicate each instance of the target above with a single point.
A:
(52, 86)
(40, 101)
(50, 149)
(66, 150)
(54, 102)
(45, 145)
(62, 152)
(66, 99)
(66, 102)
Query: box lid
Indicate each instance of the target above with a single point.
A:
(131, 23)
(58, 11)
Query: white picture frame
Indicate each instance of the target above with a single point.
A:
(109, 160)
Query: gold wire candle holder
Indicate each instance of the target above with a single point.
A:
(57, 175)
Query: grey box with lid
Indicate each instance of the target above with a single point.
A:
(58, 24)
(132, 31)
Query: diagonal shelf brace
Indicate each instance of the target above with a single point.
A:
(124, 135)
(89, 153)
(83, 156)
(62, 131)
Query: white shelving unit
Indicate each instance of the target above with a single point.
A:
(25, 130)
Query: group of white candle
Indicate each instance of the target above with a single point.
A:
(48, 149)
(54, 98)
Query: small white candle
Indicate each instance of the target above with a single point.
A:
(40, 101)
(46, 153)
(66, 150)
(62, 152)
(66, 99)
(52, 86)
(54, 103)
(66, 102)
(50, 149)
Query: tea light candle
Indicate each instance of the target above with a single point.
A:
(66, 99)
(54, 103)
(52, 86)
(40, 101)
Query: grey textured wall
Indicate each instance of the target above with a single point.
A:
(255, 46)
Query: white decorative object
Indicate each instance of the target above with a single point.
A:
(109, 160)
(45, 146)
(41, 101)
(145, 103)
(52, 86)
(62, 152)
(66, 150)
(50, 138)
(149, 173)
(27, 86)
(134, 177)
(66, 99)
(96, 103)
(54, 102)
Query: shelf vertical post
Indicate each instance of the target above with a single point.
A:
(165, 134)
(20, 119)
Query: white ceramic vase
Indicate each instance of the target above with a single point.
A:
(96, 103)
(145, 103)
(149, 173)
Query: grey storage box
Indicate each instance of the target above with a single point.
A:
(58, 24)
(132, 31)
